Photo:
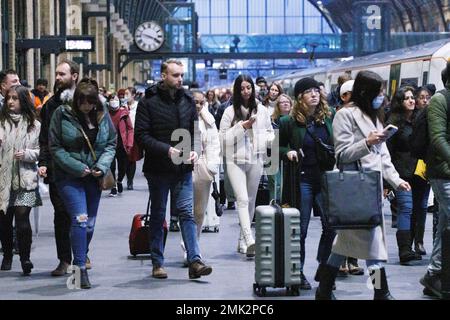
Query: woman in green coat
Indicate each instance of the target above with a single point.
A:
(310, 116)
(75, 128)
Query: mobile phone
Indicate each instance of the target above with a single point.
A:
(389, 131)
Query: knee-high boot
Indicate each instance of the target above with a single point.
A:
(327, 278)
(379, 281)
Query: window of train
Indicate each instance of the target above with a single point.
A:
(425, 78)
(409, 82)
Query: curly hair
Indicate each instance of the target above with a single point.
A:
(300, 110)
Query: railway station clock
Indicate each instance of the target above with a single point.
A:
(149, 36)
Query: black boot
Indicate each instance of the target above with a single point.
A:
(26, 267)
(379, 279)
(327, 278)
(7, 262)
(84, 279)
(418, 241)
(24, 239)
(405, 252)
(319, 272)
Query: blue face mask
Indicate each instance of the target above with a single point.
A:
(377, 102)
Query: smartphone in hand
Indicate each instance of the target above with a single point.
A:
(389, 131)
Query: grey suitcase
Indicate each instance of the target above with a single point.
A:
(277, 260)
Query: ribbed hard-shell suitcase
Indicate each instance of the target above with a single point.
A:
(277, 259)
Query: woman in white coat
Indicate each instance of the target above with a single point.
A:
(207, 166)
(246, 132)
(357, 131)
(19, 192)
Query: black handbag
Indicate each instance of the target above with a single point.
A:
(325, 152)
(352, 199)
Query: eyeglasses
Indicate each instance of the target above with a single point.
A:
(312, 90)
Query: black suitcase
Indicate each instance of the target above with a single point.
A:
(263, 195)
(290, 194)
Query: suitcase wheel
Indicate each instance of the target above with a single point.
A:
(293, 291)
(259, 291)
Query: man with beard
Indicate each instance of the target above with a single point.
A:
(67, 73)
(166, 109)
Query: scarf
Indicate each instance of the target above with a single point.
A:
(13, 139)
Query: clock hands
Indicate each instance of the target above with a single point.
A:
(153, 38)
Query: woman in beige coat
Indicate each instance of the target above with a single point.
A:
(19, 150)
(357, 131)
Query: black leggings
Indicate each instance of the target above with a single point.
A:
(122, 162)
(23, 230)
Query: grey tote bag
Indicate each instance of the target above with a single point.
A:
(352, 198)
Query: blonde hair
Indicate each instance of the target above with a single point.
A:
(300, 111)
(277, 112)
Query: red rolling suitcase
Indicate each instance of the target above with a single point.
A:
(140, 233)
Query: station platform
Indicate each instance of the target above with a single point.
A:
(117, 275)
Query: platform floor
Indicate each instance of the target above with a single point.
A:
(117, 275)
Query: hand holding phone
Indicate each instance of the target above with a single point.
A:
(389, 131)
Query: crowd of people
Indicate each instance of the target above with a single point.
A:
(74, 138)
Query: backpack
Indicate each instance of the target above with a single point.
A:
(419, 140)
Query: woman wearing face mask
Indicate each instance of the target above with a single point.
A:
(121, 119)
(19, 192)
(76, 128)
(309, 116)
(246, 133)
(271, 99)
(358, 135)
(412, 202)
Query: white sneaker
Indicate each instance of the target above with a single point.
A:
(185, 260)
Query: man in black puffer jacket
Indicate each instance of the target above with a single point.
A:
(67, 73)
(164, 128)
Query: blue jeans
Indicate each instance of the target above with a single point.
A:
(81, 197)
(310, 192)
(404, 207)
(181, 190)
(411, 203)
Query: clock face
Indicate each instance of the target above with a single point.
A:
(149, 36)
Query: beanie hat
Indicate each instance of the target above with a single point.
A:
(304, 84)
(260, 79)
(347, 86)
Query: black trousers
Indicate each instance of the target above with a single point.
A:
(23, 230)
(131, 171)
(62, 223)
(122, 162)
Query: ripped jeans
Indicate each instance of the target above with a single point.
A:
(81, 197)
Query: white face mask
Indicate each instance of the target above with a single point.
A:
(114, 104)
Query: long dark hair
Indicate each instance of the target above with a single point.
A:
(367, 87)
(87, 92)
(399, 97)
(238, 101)
(26, 106)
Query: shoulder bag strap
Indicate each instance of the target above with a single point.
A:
(89, 144)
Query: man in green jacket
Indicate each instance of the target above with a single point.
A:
(438, 172)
